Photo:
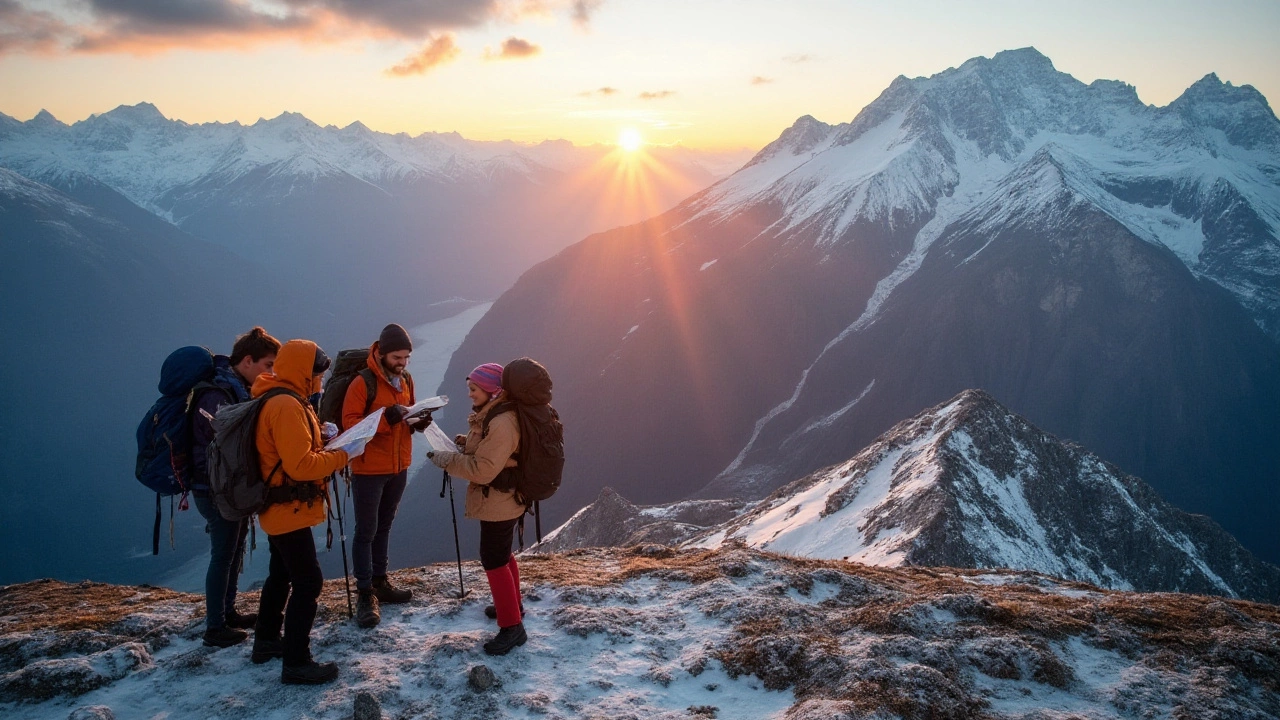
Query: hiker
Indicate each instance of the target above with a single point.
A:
(293, 459)
(252, 354)
(483, 458)
(378, 477)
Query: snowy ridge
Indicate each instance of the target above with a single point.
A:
(928, 150)
(969, 484)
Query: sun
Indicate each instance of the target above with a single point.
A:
(629, 139)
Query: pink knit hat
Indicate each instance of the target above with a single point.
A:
(488, 377)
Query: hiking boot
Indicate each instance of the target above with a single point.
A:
(491, 612)
(265, 650)
(367, 612)
(313, 673)
(244, 622)
(224, 637)
(385, 593)
(506, 639)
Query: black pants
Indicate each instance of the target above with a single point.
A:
(495, 542)
(293, 563)
(376, 499)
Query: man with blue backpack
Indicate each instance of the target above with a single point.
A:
(254, 353)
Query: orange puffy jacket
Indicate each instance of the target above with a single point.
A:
(289, 433)
(391, 449)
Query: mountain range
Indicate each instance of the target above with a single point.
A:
(436, 214)
(1107, 269)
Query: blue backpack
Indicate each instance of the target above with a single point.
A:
(164, 435)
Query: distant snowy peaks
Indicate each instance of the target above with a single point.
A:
(45, 119)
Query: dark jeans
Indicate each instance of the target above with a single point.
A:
(293, 562)
(376, 498)
(495, 542)
(226, 553)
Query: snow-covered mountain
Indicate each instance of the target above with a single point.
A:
(320, 201)
(652, 633)
(970, 484)
(1108, 269)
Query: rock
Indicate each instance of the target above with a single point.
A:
(367, 707)
(72, 676)
(92, 712)
(481, 678)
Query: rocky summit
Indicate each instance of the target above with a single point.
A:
(968, 483)
(653, 632)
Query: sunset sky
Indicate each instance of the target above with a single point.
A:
(705, 73)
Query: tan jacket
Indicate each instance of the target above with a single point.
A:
(482, 460)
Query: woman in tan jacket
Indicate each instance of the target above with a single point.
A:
(487, 451)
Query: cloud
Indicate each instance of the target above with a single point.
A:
(513, 48)
(658, 95)
(22, 29)
(437, 51)
(761, 80)
(604, 91)
(582, 10)
(151, 25)
(797, 59)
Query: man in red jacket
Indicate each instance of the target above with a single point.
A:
(378, 476)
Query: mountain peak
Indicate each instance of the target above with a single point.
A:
(804, 135)
(44, 118)
(144, 113)
(969, 483)
(1239, 111)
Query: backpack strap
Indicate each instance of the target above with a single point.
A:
(290, 490)
(495, 411)
(370, 389)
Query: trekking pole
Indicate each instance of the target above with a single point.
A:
(537, 520)
(342, 533)
(457, 546)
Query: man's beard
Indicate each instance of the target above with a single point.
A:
(393, 371)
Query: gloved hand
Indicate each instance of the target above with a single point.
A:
(460, 440)
(328, 431)
(419, 423)
(442, 458)
(394, 414)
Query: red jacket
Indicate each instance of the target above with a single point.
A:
(391, 449)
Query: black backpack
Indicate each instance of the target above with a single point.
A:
(350, 364)
(235, 474)
(540, 457)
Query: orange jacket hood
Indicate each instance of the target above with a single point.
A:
(292, 370)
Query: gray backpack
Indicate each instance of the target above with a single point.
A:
(235, 475)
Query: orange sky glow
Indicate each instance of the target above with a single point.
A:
(713, 74)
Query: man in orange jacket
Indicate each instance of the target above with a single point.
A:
(297, 467)
(378, 477)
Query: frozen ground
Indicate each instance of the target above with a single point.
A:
(652, 632)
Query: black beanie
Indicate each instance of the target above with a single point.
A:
(394, 338)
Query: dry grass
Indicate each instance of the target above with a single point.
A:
(60, 606)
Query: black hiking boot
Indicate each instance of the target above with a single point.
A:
(313, 673)
(266, 650)
(491, 612)
(224, 637)
(367, 613)
(244, 622)
(506, 639)
(385, 593)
